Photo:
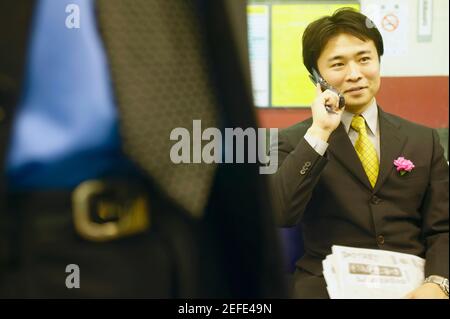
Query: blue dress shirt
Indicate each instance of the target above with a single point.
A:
(66, 127)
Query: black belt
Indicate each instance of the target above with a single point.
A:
(101, 210)
(41, 232)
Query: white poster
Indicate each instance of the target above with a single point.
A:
(425, 20)
(392, 19)
(258, 38)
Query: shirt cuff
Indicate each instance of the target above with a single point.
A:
(317, 144)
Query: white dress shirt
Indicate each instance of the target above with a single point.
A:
(373, 130)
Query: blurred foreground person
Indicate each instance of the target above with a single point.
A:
(89, 94)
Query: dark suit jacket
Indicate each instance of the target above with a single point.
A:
(243, 259)
(332, 198)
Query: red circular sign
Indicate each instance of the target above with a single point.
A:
(390, 22)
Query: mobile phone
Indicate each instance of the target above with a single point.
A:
(316, 78)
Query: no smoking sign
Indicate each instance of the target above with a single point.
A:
(390, 22)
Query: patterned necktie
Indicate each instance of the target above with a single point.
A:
(162, 82)
(365, 149)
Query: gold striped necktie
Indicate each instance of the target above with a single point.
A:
(365, 149)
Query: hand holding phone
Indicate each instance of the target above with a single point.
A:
(316, 78)
(326, 108)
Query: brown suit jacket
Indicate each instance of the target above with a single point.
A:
(332, 198)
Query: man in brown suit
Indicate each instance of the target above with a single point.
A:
(339, 180)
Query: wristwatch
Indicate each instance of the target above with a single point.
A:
(441, 281)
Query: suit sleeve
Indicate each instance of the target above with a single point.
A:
(435, 214)
(299, 169)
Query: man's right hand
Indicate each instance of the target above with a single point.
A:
(325, 122)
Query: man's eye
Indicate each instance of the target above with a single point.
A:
(365, 59)
(337, 65)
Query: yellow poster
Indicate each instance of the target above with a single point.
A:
(291, 86)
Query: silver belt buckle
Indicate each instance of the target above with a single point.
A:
(117, 220)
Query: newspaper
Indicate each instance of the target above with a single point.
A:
(359, 273)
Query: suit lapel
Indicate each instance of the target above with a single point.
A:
(15, 22)
(15, 27)
(342, 148)
(392, 142)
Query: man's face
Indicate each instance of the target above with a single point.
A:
(351, 66)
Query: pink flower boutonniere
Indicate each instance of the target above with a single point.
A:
(403, 165)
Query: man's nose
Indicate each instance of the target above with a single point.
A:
(354, 73)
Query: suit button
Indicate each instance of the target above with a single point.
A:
(303, 172)
(375, 200)
(380, 240)
(305, 167)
